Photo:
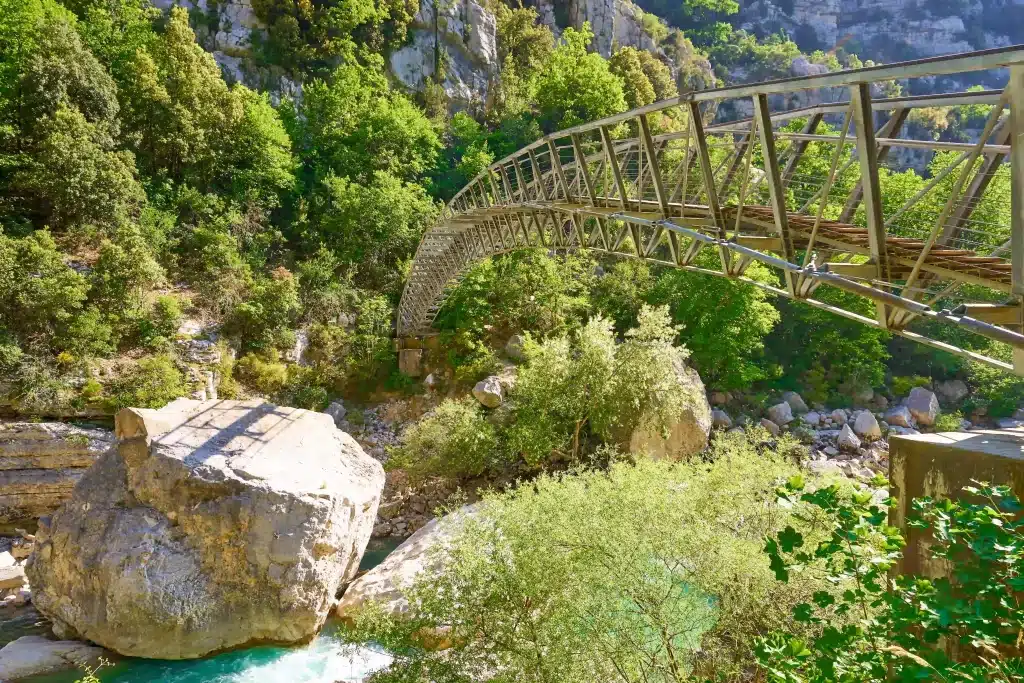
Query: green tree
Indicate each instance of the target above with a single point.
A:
(465, 155)
(78, 179)
(963, 624)
(40, 296)
(524, 49)
(577, 85)
(265, 319)
(372, 228)
(724, 322)
(570, 391)
(645, 78)
(354, 125)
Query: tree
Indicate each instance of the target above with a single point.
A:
(577, 85)
(962, 624)
(40, 295)
(178, 112)
(354, 125)
(524, 49)
(465, 155)
(571, 390)
(646, 79)
(373, 228)
(77, 177)
(723, 321)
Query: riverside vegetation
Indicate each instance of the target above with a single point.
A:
(147, 204)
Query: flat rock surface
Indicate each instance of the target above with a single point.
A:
(35, 655)
(213, 524)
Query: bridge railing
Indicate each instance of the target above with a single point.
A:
(787, 173)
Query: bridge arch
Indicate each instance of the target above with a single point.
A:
(726, 175)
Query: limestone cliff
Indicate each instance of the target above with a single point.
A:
(892, 30)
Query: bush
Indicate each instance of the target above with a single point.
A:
(151, 383)
(901, 386)
(265, 319)
(160, 324)
(642, 573)
(591, 389)
(456, 440)
(264, 374)
(962, 625)
(996, 391)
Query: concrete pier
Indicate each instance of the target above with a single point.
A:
(940, 465)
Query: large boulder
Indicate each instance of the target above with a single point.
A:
(847, 440)
(952, 391)
(211, 525)
(40, 463)
(687, 434)
(923, 405)
(386, 584)
(36, 656)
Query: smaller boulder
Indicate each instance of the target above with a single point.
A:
(825, 467)
(900, 416)
(736, 430)
(489, 392)
(430, 381)
(839, 416)
(952, 391)
(720, 419)
(866, 426)
(812, 419)
(847, 440)
(795, 401)
(35, 656)
(719, 398)
(781, 413)
(514, 347)
(6, 560)
(337, 411)
(923, 405)
(12, 577)
(770, 426)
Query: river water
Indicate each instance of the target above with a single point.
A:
(327, 659)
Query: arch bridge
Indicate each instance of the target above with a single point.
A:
(799, 174)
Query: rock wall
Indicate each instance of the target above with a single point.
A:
(40, 463)
(889, 31)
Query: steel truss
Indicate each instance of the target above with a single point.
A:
(735, 186)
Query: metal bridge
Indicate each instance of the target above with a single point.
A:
(715, 180)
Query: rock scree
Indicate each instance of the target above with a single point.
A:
(211, 525)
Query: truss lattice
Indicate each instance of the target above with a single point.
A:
(716, 180)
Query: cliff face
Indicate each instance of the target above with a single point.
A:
(461, 39)
(889, 30)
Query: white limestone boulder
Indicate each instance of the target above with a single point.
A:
(387, 583)
(687, 433)
(900, 416)
(866, 426)
(795, 401)
(847, 440)
(923, 405)
(212, 525)
(489, 392)
(781, 413)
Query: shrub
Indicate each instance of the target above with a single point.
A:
(901, 386)
(997, 391)
(949, 422)
(264, 320)
(264, 374)
(642, 573)
(151, 383)
(456, 440)
(161, 322)
(570, 392)
(963, 625)
(304, 389)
